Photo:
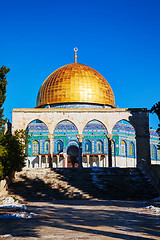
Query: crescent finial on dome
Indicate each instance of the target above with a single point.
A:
(75, 56)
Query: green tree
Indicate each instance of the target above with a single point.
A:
(12, 157)
(156, 109)
(3, 83)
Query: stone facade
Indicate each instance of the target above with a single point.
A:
(91, 130)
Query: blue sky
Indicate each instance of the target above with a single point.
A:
(118, 38)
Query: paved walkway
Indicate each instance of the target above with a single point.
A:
(82, 219)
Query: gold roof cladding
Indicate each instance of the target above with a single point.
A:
(75, 83)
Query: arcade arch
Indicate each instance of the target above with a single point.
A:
(80, 117)
(95, 144)
(124, 137)
(38, 145)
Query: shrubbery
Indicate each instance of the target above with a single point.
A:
(12, 152)
(12, 147)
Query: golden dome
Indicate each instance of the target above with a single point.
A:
(75, 83)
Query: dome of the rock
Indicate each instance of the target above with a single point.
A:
(75, 83)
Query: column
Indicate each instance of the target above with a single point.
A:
(65, 161)
(51, 145)
(103, 161)
(109, 136)
(80, 138)
(57, 161)
(40, 161)
(47, 164)
(87, 160)
(31, 163)
(106, 161)
(28, 163)
(99, 160)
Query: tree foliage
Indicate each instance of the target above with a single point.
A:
(1, 171)
(12, 147)
(156, 109)
(12, 152)
(3, 83)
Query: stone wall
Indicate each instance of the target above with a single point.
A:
(4, 187)
(138, 118)
(4, 184)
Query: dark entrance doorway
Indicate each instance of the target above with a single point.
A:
(73, 153)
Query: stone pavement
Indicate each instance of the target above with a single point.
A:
(85, 219)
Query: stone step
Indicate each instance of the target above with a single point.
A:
(87, 183)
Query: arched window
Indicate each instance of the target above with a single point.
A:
(99, 147)
(153, 152)
(123, 148)
(131, 149)
(59, 146)
(35, 148)
(113, 147)
(158, 154)
(88, 146)
(46, 146)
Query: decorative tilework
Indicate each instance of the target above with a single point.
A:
(94, 127)
(65, 127)
(94, 131)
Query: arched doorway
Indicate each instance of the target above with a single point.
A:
(73, 153)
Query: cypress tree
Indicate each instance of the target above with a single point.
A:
(3, 84)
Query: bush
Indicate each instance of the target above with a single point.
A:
(12, 152)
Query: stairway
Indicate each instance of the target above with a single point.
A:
(82, 183)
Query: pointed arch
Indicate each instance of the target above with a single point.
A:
(153, 152)
(46, 146)
(124, 125)
(65, 127)
(35, 147)
(38, 135)
(123, 148)
(59, 146)
(36, 120)
(99, 146)
(113, 147)
(95, 126)
(131, 149)
(123, 134)
(87, 146)
(37, 127)
(158, 154)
